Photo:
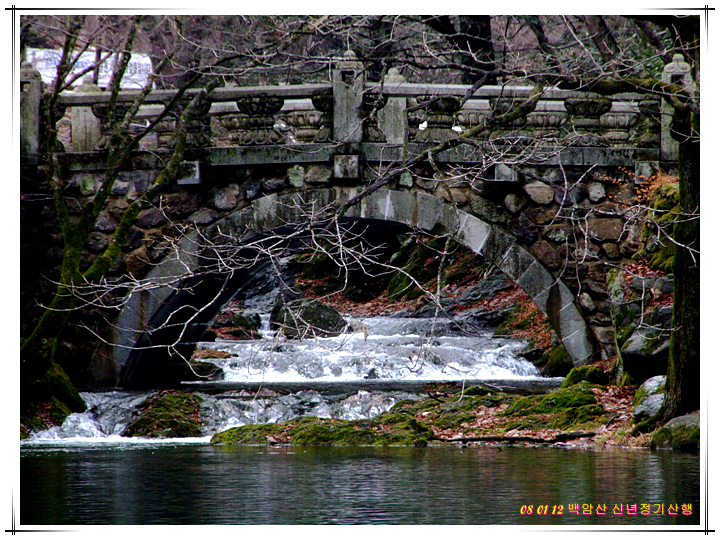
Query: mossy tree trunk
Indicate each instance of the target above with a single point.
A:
(682, 394)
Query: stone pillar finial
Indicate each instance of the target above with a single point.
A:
(348, 79)
(86, 127)
(676, 72)
(31, 90)
(392, 119)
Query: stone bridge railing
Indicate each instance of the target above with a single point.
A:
(350, 120)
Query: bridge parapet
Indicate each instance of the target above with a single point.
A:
(348, 111)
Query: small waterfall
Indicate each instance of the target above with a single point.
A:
(381, 348)
(350, 377)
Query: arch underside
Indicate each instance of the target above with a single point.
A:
(151, 364)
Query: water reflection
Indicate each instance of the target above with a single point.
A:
(200, 484)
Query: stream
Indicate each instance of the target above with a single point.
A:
(85, 472)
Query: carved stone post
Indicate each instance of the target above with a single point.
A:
(676, 72)
(86, 128)
(306, 122)
(31, 90)
(348, 85)
(392, 119)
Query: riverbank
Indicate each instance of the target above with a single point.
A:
(583, 415)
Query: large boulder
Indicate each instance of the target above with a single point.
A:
(649, 398)
(645, 354)
(300, 317)
(167, 414)
(681, 433)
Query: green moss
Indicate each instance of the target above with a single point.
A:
(554, 402)
(572, 408)
(384, 430)
(684, 438)
(477, 391)
(559, 363)
(423, 261)
(640, 395)
(592, 374)
(575, 417)
(167, 414)
(202, 370)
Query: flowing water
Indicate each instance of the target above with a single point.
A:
(85, 472)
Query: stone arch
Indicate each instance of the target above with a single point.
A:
(138, 364)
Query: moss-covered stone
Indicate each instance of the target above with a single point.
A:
(573, 408)
(384, 430)
(592, 374)
(682, 433)
(423, 262)
(53, 399)
(302, 318)
(554, 402)
(243, 328)
(202, 370)
(167, 414)
(559, 363)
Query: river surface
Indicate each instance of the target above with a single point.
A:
(86, 472)
(202, 484)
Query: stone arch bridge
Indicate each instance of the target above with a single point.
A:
(547, 198)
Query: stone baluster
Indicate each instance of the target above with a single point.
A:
(306, 121)
(547, 119)
(618, 122)
(254, 125)
(473, 113)
(513, 131)
(86, 127)
(586, 113)
(324, 104)
(676, 72)
(31, 91)
(440, 118)
(392, 118)
(197, 129)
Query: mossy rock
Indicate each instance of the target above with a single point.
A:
(167, 414)
(199, 370)
(625, 317)
(592, 374)
(586, 415)
(50, 400)
(300, 317)
(384, 430)
(559, 363)
(477, 391)
(655, 384)
(555, 402)
(422, 264)
(682, 433)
